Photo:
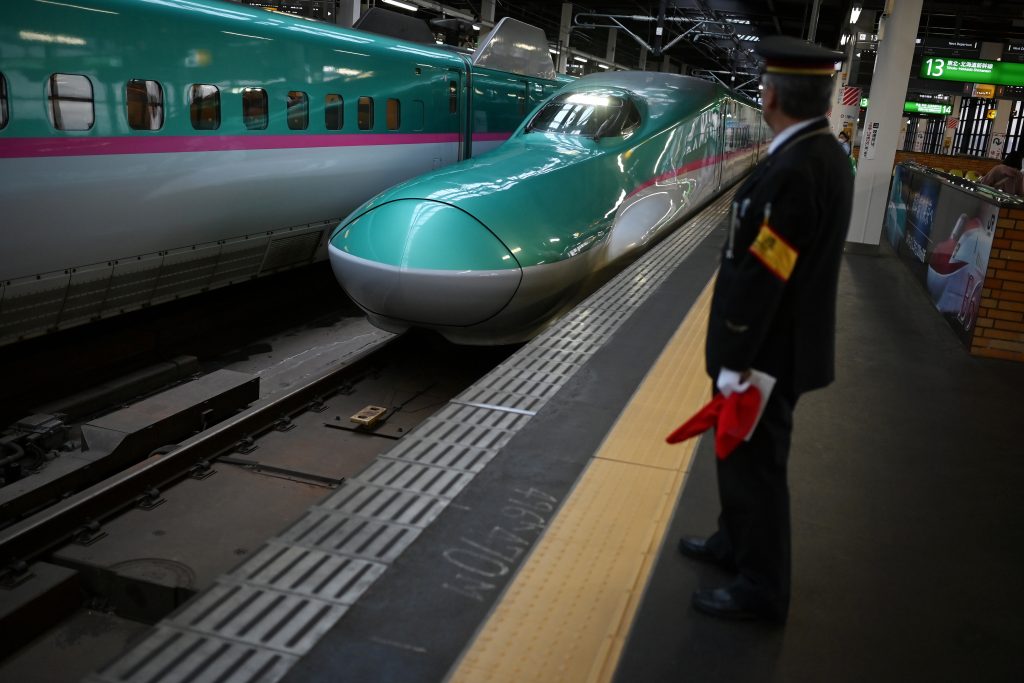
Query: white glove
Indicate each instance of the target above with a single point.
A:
(730, 381)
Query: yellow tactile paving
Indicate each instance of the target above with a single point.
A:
(566, 615)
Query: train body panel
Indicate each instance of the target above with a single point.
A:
(262, 125)
(565, 199)
(189, 199)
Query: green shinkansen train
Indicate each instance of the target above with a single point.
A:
(488, 251)
(152, 149)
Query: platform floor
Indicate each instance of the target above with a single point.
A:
(906, 476)
(546, 559)
(907, 481)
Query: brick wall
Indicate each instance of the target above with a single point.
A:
(999, 330)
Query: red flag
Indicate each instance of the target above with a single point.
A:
(734, 418)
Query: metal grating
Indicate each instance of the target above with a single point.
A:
(254, 622)
(442, 482)
(260, 617)
(173, 656)
(454, 455)
(387, 504)
(335, 532)
(309, 572)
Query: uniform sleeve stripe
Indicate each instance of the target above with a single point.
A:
(777, 255)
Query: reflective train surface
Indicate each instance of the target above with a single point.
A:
(489, 250)
(151, 149)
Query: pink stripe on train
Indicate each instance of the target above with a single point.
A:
(11, 148)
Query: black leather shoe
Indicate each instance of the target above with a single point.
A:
(697, 548)
(720, 602)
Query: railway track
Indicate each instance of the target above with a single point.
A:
(141, 507)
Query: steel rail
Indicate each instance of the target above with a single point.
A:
(29, 538)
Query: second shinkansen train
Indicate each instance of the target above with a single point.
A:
(152, 149)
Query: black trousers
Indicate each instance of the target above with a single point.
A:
(753, 527)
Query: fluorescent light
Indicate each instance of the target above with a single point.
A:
(581, 59)
(844, 39)
(554, 52)
(602, 66)
(475, 27)
(403, 5)
(855, 14)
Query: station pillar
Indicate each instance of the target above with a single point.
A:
(564, 29)
(609, 53)
(486, 19)
(643, 59)
(952, 121)
(347, 13)
(896, 39)
(997, 139)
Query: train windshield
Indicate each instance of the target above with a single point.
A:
(595, 115)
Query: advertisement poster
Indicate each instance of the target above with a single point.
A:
(944, 235)
(911, 208)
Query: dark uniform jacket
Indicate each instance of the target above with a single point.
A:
(774, 300)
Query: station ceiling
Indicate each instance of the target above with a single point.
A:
(720, 46)
(715, 38)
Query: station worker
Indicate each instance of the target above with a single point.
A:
(773, 309)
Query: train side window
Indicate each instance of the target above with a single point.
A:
(298, 110)
(70, 102)
(3, 101)
(365, 113)
(145, 103)
(204, 107)
(394, 114)
(334, 112)
(453, 97)
(255, 111)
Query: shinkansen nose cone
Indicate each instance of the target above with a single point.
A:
(416, 261)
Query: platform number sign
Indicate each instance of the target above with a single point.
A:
(972, 71)
(934, 68)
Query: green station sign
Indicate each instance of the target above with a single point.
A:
(972, 71)
(927, 108)
(918, 107)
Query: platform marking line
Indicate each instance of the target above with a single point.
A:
(568, 611)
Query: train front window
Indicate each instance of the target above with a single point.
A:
(255, 110)
(298, 110)
(588, 114)
(70, 102)
(334, 111)
(204, 107)
(3, 101)
(145, 103)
